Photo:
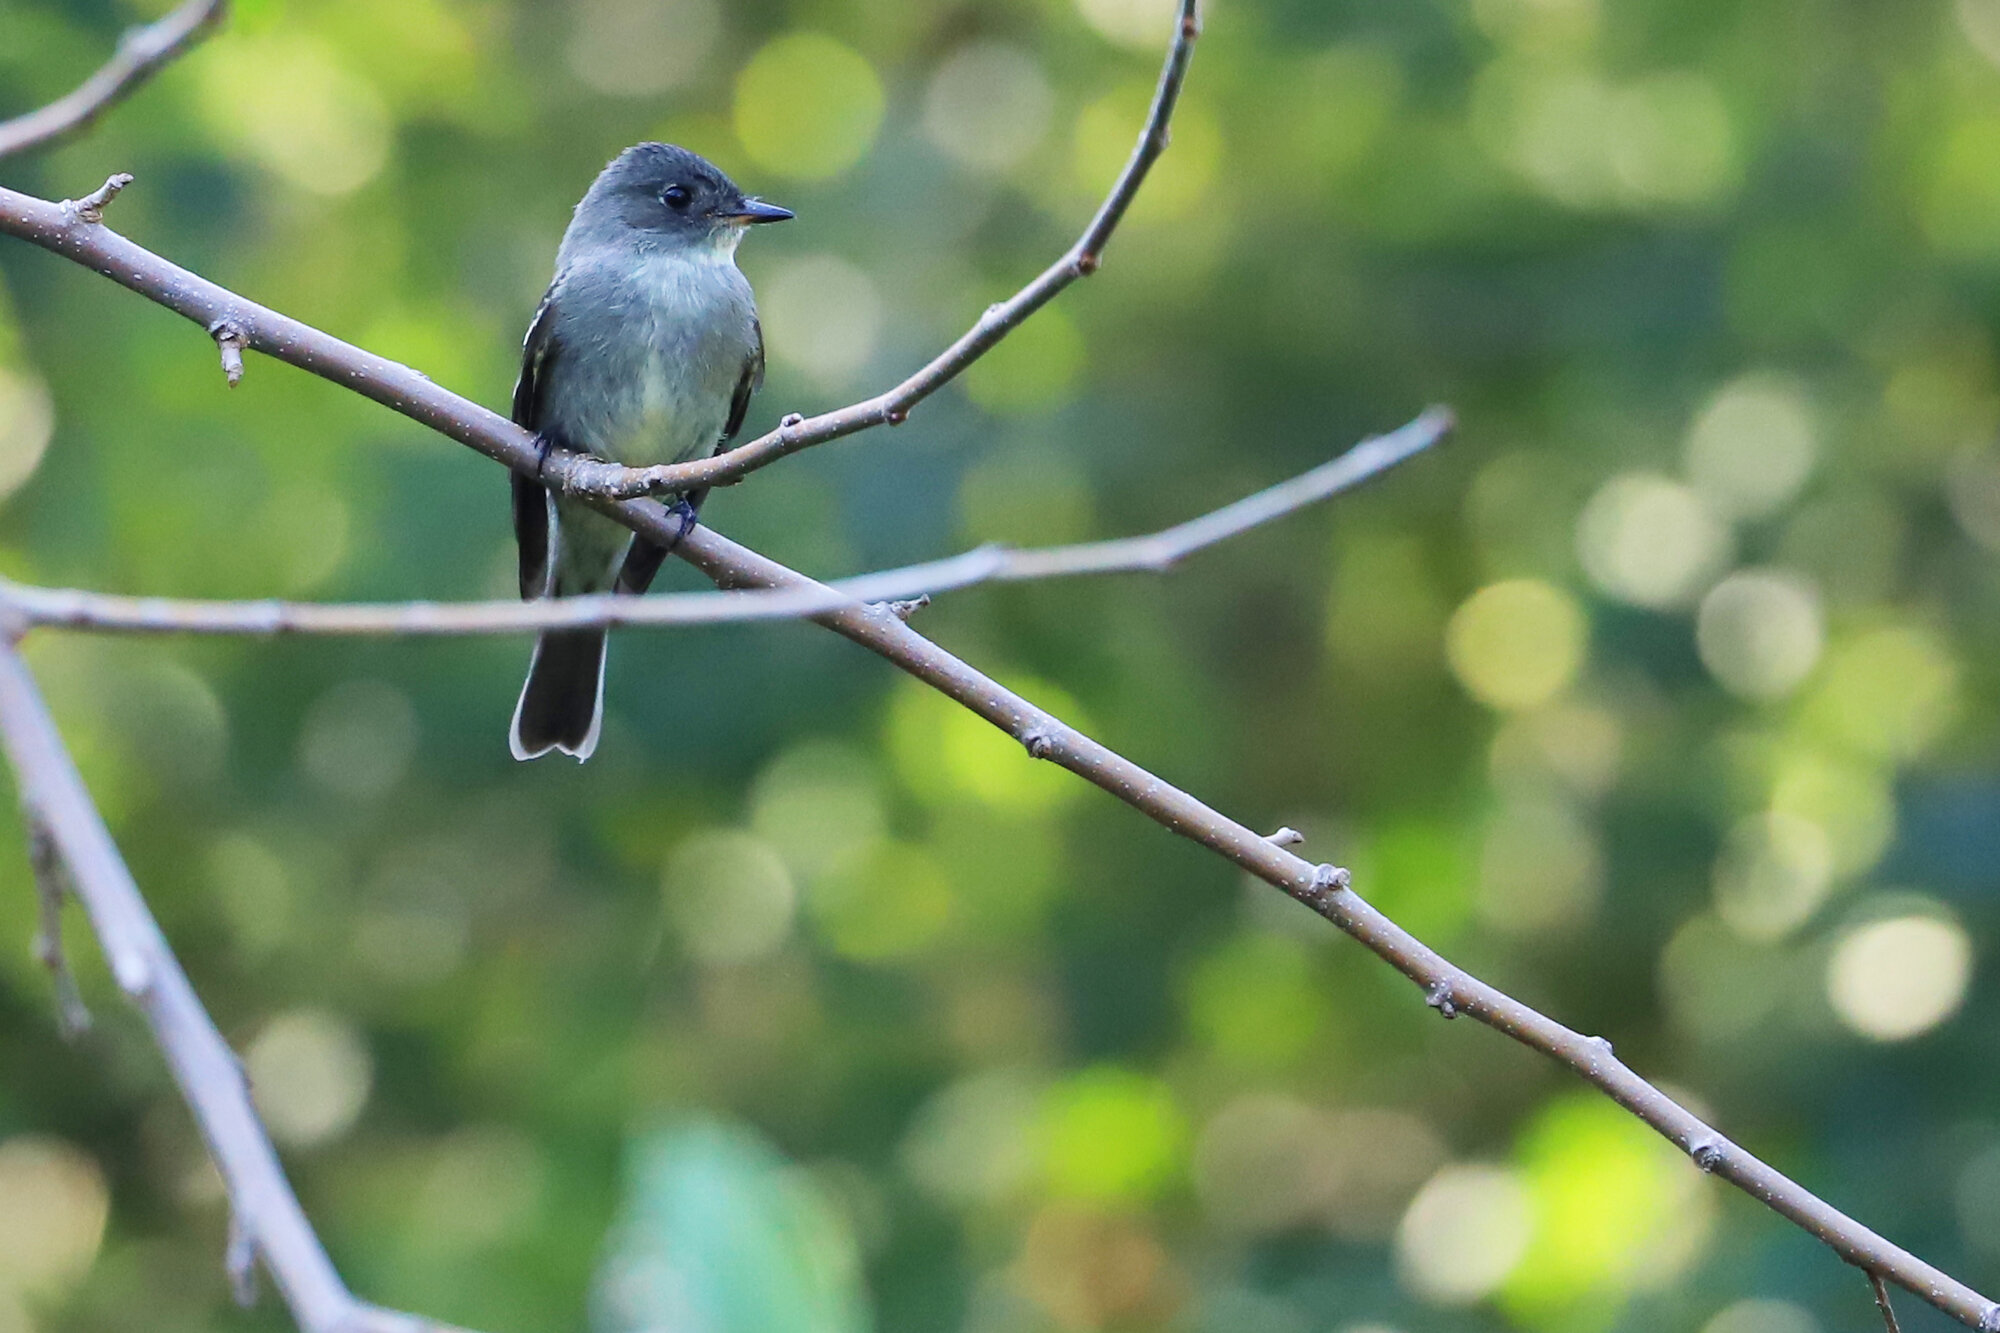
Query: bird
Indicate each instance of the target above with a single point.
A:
(645, 350)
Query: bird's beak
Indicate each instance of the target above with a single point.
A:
(752, 211)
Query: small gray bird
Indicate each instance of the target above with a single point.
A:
(645, 350)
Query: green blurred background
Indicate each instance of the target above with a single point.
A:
(1662, 696)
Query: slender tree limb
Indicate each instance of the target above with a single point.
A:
(584, 475)
(1882, 1303)
(75, 230)
(206, 1069)
(905, 588)
(142, 53)
(266, 1213)
(72, 1016)
(1327, 891)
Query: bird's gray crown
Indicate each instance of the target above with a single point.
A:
(662, 190)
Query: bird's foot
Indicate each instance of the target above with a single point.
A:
(682, 511)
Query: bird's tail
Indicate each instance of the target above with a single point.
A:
(562, 705)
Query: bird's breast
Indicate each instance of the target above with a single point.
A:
(666, 344)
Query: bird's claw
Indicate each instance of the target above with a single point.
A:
(684, 512)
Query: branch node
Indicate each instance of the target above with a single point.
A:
(1440, 998)
(1285, 837)
(896, 416)
(1603, 1044)
(1990, 1321)
(239, 1261)
(72, 1015)
(90, 208)
(905, 609)
(1708, 1152)
(1086, 263)
(1041, 742)
(1325, 883)
(230, 340)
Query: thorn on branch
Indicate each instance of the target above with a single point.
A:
(230, 342)
(1888, 1312)
(72, 1016)
(905, 609)
(1440, 998)
(239, 1261)
(1286, 837)
(91, 207)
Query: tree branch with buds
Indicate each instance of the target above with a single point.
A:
(270, 1227)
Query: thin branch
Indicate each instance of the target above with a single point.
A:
(582, 474)
(1155, 553)
(247, 326)
(1326, 890)
(142, 52)
(207, 1071)
(267, 1222)
(72, 1016)
(1882, 1303)
(880, 630)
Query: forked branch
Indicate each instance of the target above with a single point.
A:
(1155, 553)
(141, 54)
(67, 829)
(878, 628)
(584, 475)
(146, 970)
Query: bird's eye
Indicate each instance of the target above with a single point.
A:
(677, 196)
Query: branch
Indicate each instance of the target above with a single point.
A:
(265, 1212)
(1155, 553)
(72, 1017)
(142, 53)
(878, 628)
(583, 475)
(311, 1287)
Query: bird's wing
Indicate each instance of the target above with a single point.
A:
(531, 499)
(751, 381)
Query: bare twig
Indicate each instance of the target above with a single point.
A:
(583, 474)
(204, 1066)
(906, 589)
(268, 1222)
(1882, 1303)
(91, 207)
(876, 628)
(72, 1016)
(141, 54)
(83, 239)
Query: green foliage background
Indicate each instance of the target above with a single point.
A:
(811, 1004)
